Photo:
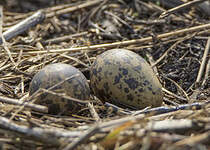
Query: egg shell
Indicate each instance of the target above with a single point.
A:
(70, 82)
(124, 78)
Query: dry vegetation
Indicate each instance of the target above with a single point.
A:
(174, 42)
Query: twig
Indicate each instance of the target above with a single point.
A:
(20, 109)
(24, 25)
(84, 137)
(49, 90)
(172, 47)
(176, 96)
(207, 73)
(75, 59)
(162, 109)
(49, 136)
(35, 107)
(3, 39)
(119, 19)
(74, 8)
(201, 70)
(203, 63)
(93, 112)
(173, 125)
(124, 43)
(41, 90)
(192, 140)
(106, 126)
(178, 86)
(151, 61)
(64, 38)
(185, 5)
(97, 9)
(117, 109)
(146, 22)
(148, 112)
(170, 102)
(5, 67)
(64, 96)
(201, 37)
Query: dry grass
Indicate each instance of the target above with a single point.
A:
(175, 43)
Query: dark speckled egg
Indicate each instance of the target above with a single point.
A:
(63, 79)
(124, 78)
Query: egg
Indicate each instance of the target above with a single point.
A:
(124, 78)
(62, 79)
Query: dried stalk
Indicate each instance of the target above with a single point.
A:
(2, 39)
(48, 136)
(35, 107)
(93, 112)
(82, 138)
(201, 70)
(207, 73)
(74, 8)
(124, 43)
(185, 5)
(24, 25)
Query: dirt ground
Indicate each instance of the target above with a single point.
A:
(174, 41)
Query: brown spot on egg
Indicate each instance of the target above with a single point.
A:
(130, 79)
(60, 78)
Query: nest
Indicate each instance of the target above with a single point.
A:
(172, 37)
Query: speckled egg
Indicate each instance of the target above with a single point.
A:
(124, 78)
(63, 79)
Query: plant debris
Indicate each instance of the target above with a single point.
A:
(173, 37)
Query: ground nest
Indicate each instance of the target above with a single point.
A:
(173, 37)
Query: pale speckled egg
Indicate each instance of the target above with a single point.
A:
(124, 78)
(65, 79)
